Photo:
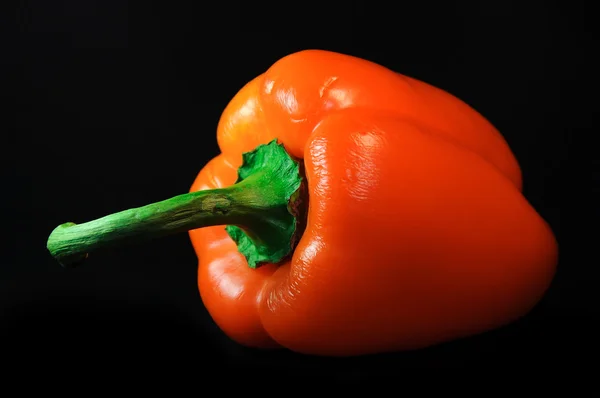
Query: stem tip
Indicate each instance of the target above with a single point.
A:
(65, 260)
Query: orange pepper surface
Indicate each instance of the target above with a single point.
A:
(417, 233)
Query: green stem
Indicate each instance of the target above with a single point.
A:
(264, 212)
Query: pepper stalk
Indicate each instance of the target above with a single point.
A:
(264, 213)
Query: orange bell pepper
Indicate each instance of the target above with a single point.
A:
(387, 216)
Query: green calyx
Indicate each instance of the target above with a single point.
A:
(264, 213)
(274, 183)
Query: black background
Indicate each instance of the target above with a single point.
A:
(112, 105)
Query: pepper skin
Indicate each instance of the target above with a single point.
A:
(417, 232)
